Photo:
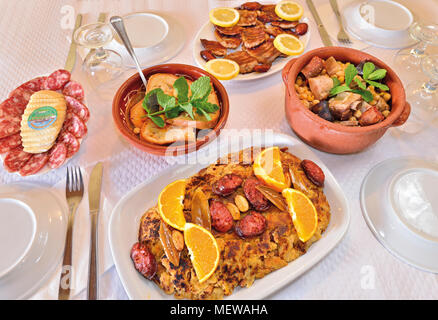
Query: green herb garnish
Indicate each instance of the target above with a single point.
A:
(370, 74)
(156, 102)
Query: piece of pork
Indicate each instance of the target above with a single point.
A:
(321, 86)
(265, 53)
(230, 42)
(254, 36)
(214, 47)
(246, 62)
(313, 68)
(371, 116)
(340, 106)
(332, 66)
(247, 18)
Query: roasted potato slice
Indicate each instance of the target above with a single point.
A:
(150, 132)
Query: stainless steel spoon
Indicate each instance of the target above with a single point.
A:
(119, 26)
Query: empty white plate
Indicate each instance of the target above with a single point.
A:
(382, 23)
(399, 204)
(32, 237)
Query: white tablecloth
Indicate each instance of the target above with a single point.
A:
(35, 40)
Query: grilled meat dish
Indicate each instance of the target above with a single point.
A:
(275, 31)
(229, 31)
(259, 243)
(253, 5)
(214, 47)
(267, 14)
(230, 42)
(265, 53)
(247, 18)
(285, 24)
(254, 36)
(246, 62)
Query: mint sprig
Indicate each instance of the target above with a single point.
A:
(156, 102)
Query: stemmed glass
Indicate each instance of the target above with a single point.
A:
(101, 64)
(423, 95)
(409, 59)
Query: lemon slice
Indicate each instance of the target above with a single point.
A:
(289, 10)
(224, 17)
(222, 69)
(288, 44)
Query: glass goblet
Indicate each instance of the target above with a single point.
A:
(101, 64)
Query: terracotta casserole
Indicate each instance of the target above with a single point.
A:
(332, 137)
(121, 118)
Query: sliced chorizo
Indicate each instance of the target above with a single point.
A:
(57, 80)
(221, 218)
(74, 125)
(144, 261)
(78, 108)
(227, 184)
(9, 143)
(255, 197)
(253, 224)
(73, 89)
(34, 164)
(16, 159)
(57, 155)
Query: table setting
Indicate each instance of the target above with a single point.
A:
(148, 148)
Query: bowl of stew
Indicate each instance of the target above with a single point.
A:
(159, 132)
(341, 100)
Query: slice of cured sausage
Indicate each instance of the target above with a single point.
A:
(34, 164)
(70, 142)
(78, 108)
(57, 80)
(12, 107)
(74, 125)
(9, 143)
(73, 89)
(9, 125)
(57, 155)
(16, 159)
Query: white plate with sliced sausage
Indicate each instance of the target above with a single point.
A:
(258, 57)
(42, 124)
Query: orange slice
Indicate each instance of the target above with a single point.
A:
(268, 168)
(170, 204)
(203, 250)
(303, 213)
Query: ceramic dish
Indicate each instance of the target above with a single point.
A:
(332, 137)
(411, 239)
(134, 82)
(33, 238)
(207, 32)
(163, 51)
(368, 21)
(125, 218)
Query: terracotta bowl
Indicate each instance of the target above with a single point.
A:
(331, 137)
(121, 118)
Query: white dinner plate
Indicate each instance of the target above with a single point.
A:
(207, 32)
(32, 236)
(397, 203)
(125, 219)
(159, 53)
(379, 36)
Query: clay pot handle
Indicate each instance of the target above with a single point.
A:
(286, 69)
(403, 117)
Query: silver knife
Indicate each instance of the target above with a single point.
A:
(71, 58)
(321, 29)
(94, 187)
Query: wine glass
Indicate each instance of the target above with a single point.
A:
(409, 59)
(101, 64)
(423, 95)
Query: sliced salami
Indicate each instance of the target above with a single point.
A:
(9, 125)
(9, 143)
(57, 155)
(57, 80)
(70, 142)
(12, 107)
(74, 125)
(16, 159)
(34, 164)
(21, 93)
(36, 84)
(78, 108)
(74, 89)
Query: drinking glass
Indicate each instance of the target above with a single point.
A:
(101, 64)
(409, 59)
(423, 95)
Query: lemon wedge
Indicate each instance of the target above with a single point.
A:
(224, 17)
(289, 10)
(288, 44)
(222, 69)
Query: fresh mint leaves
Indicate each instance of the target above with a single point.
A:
(370, 75)
(156, 102)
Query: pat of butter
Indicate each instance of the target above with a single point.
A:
(42, 121)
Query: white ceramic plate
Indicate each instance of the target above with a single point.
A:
(125, 219)
(33, 232)
(379, 37)
(207, 32)
(159, 53)
(388, 223)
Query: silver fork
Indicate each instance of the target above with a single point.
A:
(342, 35)
(74, 190)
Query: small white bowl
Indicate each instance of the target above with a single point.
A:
(145, 30)
(384, 23)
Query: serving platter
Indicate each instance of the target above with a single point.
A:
(125, 219)
(207, 32)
